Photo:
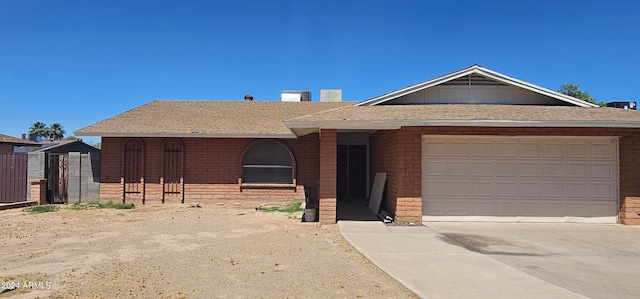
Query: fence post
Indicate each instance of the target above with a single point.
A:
(35, 169)
(39, 191)
(74, 178)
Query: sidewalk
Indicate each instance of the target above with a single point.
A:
(419, 259)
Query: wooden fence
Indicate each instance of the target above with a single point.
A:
(13, 178)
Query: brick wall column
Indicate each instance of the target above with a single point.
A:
(409, 201)
(39, 191)
(328, 175)
(630, 211)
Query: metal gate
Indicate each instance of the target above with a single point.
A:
(13, 178)
(57, 173)
(134, 170)
(172, 179)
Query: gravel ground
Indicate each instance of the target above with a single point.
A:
(174, 251)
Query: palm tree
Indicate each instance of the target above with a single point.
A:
(56, 132)
(39, 129)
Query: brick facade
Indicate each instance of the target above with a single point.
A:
(212, 167)
(384, 158)
(211, 170)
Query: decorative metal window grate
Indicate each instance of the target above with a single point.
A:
(267, 162)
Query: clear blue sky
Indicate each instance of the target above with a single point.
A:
(79, 62)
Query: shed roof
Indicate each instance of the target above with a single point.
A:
(248, 119)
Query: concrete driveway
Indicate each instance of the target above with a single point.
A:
(504, 260)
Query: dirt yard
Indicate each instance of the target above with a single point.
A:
(174, 251)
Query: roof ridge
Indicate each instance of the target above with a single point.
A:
(320, 112)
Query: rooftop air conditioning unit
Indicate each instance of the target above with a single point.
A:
(296, 96)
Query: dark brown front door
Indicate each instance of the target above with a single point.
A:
(352, 171)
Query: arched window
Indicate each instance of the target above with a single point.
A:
(267, 162)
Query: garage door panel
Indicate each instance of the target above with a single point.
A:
(530, 150)
(482, 169)
(459, 169)
(436, 169)
(432, 188)
(507, 189)
(578, 150)
(507, 208)
(580, 208)
(531, 208)
(506, 150)
(507, 169)
(459, 188)
(435, 207)
(578, 170)
(601, 190)
(483, 149)
(554, 170)
(459, 149)
(603, 208)
(606, 151)
(460, 208)
(530, 189)
(482, 208)
(436, 149)
(553, 209)
(483, 189)
(519, 176)
(580, 190)
(602, 170)
(555, 189)
(554, 150)
(530, 169)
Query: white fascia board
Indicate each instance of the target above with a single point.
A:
(396, 124)
(188, 135)
(417, 87)
(532, 87)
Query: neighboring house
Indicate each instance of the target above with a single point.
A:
(471, 145)
(7, 143)
(58, 147)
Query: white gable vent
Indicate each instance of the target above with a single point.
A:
(474, 80)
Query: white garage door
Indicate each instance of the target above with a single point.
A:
(519, 178)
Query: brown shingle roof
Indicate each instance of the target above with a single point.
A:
(207, 119)
(15, 141)
(468, 114)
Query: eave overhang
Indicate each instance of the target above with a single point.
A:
(188, 135)
(397, 124)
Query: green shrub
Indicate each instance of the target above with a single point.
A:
(290, 208)
(111, 205)
(41, 209)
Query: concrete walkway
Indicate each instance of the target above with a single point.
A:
(421, 259)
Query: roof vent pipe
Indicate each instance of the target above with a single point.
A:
(248, 98)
